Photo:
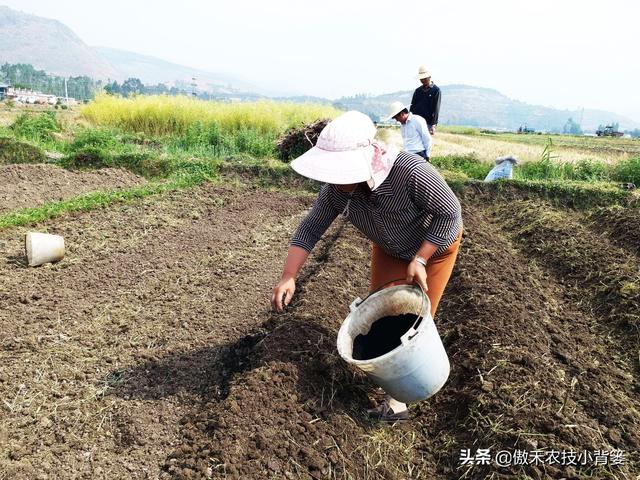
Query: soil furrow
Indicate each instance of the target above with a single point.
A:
(621, 224)
(553, 384)
(605, 277)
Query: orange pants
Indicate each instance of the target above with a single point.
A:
(385, 268)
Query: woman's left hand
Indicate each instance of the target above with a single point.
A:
(417, 273)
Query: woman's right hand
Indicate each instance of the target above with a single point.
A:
(284, 289)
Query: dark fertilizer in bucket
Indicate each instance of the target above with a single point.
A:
(403, 353)
(385, 335)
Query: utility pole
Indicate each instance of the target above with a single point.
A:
(194, 85)
(66, 92)
(581, 117)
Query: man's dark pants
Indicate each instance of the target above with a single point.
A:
(423, 154)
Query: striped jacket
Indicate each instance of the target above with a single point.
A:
(412, 205)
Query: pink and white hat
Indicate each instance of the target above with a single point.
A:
(343, 152)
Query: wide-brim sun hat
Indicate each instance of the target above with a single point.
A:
(423, 72)
(343, 152)
(395, 108)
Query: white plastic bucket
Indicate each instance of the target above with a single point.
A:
(416, 369)
(43, 248)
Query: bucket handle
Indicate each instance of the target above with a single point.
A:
(413, 331)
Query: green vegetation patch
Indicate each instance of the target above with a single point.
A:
(211, 141)
(37, 128)
(99, 148)
(549, 169)
(142, 163)
(95, 138)
(459, 130)
(627, 171)
(16, 151)
(468, 165)
(579, 195)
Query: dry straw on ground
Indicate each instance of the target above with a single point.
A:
(488, 149)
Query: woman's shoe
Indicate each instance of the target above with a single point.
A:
(385, 413)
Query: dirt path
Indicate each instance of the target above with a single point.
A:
(28, 186)
(150, 352)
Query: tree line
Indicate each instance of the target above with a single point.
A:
(83, 88)
(133, 86)
(23, 75)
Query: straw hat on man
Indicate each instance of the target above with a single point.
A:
(426, 99)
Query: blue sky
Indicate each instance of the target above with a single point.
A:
(562, 53)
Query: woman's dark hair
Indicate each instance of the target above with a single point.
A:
(365, 189)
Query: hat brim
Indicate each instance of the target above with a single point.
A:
(403, 108)
(424, 75)
(339, 168)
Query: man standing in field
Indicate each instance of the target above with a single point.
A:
(426, 100)
(414, 130)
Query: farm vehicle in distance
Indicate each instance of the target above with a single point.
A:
(525, 129)
(609, 131)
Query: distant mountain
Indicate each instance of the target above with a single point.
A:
(152, 70)
(488, 108)
(48, 45)
(53, 47)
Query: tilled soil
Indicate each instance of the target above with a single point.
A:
(535, 370)
(621, 224)
(150, 350)
(31, 185)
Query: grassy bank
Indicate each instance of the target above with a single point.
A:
(168, 139)
(273, 174)
(150, 135)
(549, 169)
(183, 124)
